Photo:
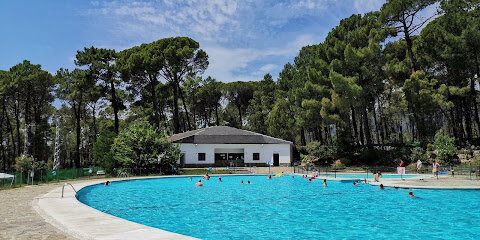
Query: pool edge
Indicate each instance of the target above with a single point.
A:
(81, 221)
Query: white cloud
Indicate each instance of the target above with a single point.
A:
(225, 62)
(268, 67)
(207, 18)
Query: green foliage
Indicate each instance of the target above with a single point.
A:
(319, 151)
(103, 154)
(23, 163)
(140, 145)
(419, 154)
(280, 121)
(446, 150)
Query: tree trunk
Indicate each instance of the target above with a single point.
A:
(114, 104)
(408, 41)
(302, 136)
(216, 115)
(240, 115)
(176, 122)
(156, 117)
(377, 134)
(17, 121)
(474, 94)
(185, 107)
(354, 125)
(78, 133)
(366, 124)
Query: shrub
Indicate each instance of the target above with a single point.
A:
(446, 150)
(23, 162)
(319, 151)
(142, 146)
(102, 151)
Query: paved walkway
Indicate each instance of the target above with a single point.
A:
(18, 220)
(443, 182)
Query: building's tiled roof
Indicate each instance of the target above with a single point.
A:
(224, 135)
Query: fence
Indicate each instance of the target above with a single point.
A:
(469, 171)
(44, 176)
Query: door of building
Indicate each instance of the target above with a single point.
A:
(182, 160)
(276, 159)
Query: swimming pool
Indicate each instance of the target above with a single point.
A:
(362, 176)
(288, 208)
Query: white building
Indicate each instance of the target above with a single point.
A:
(222, 146)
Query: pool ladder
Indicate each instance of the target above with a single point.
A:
(66, 184)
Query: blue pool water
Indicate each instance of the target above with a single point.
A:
(288, 208)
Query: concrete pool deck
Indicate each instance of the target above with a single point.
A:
(39, 212)
(83, 222)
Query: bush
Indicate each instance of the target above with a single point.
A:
(141, 146)
(319, 151)
(102, 151)
(446, 150)
(23, 162)
(419, 154)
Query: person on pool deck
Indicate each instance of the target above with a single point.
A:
(107, 183)
(419, 165)
(381, 186)
(324, 182)
(199, 183)
(269, 177)
(375, 177)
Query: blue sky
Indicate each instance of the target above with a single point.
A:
(244, 39)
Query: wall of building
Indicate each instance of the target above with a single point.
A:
(266, 153)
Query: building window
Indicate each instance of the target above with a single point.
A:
(201, 156)
(256, 156)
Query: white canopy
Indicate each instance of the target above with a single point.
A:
(5, 175)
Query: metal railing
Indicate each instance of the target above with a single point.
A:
(67, 184)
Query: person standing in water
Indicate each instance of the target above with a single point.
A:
(324, 182)
(199, 183)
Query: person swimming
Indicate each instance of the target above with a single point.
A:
(365, 180)
(396, 187)
(199, 183)
(381, 186)
(309, 180)
(206, 177)
(219, 179)
(191, 178)
(324, 182)
(269, 177)
(410, 194)
(107, 183)
(241, 182)
(248, 182)
(354, 183)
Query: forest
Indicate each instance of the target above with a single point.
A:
(398, 78)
